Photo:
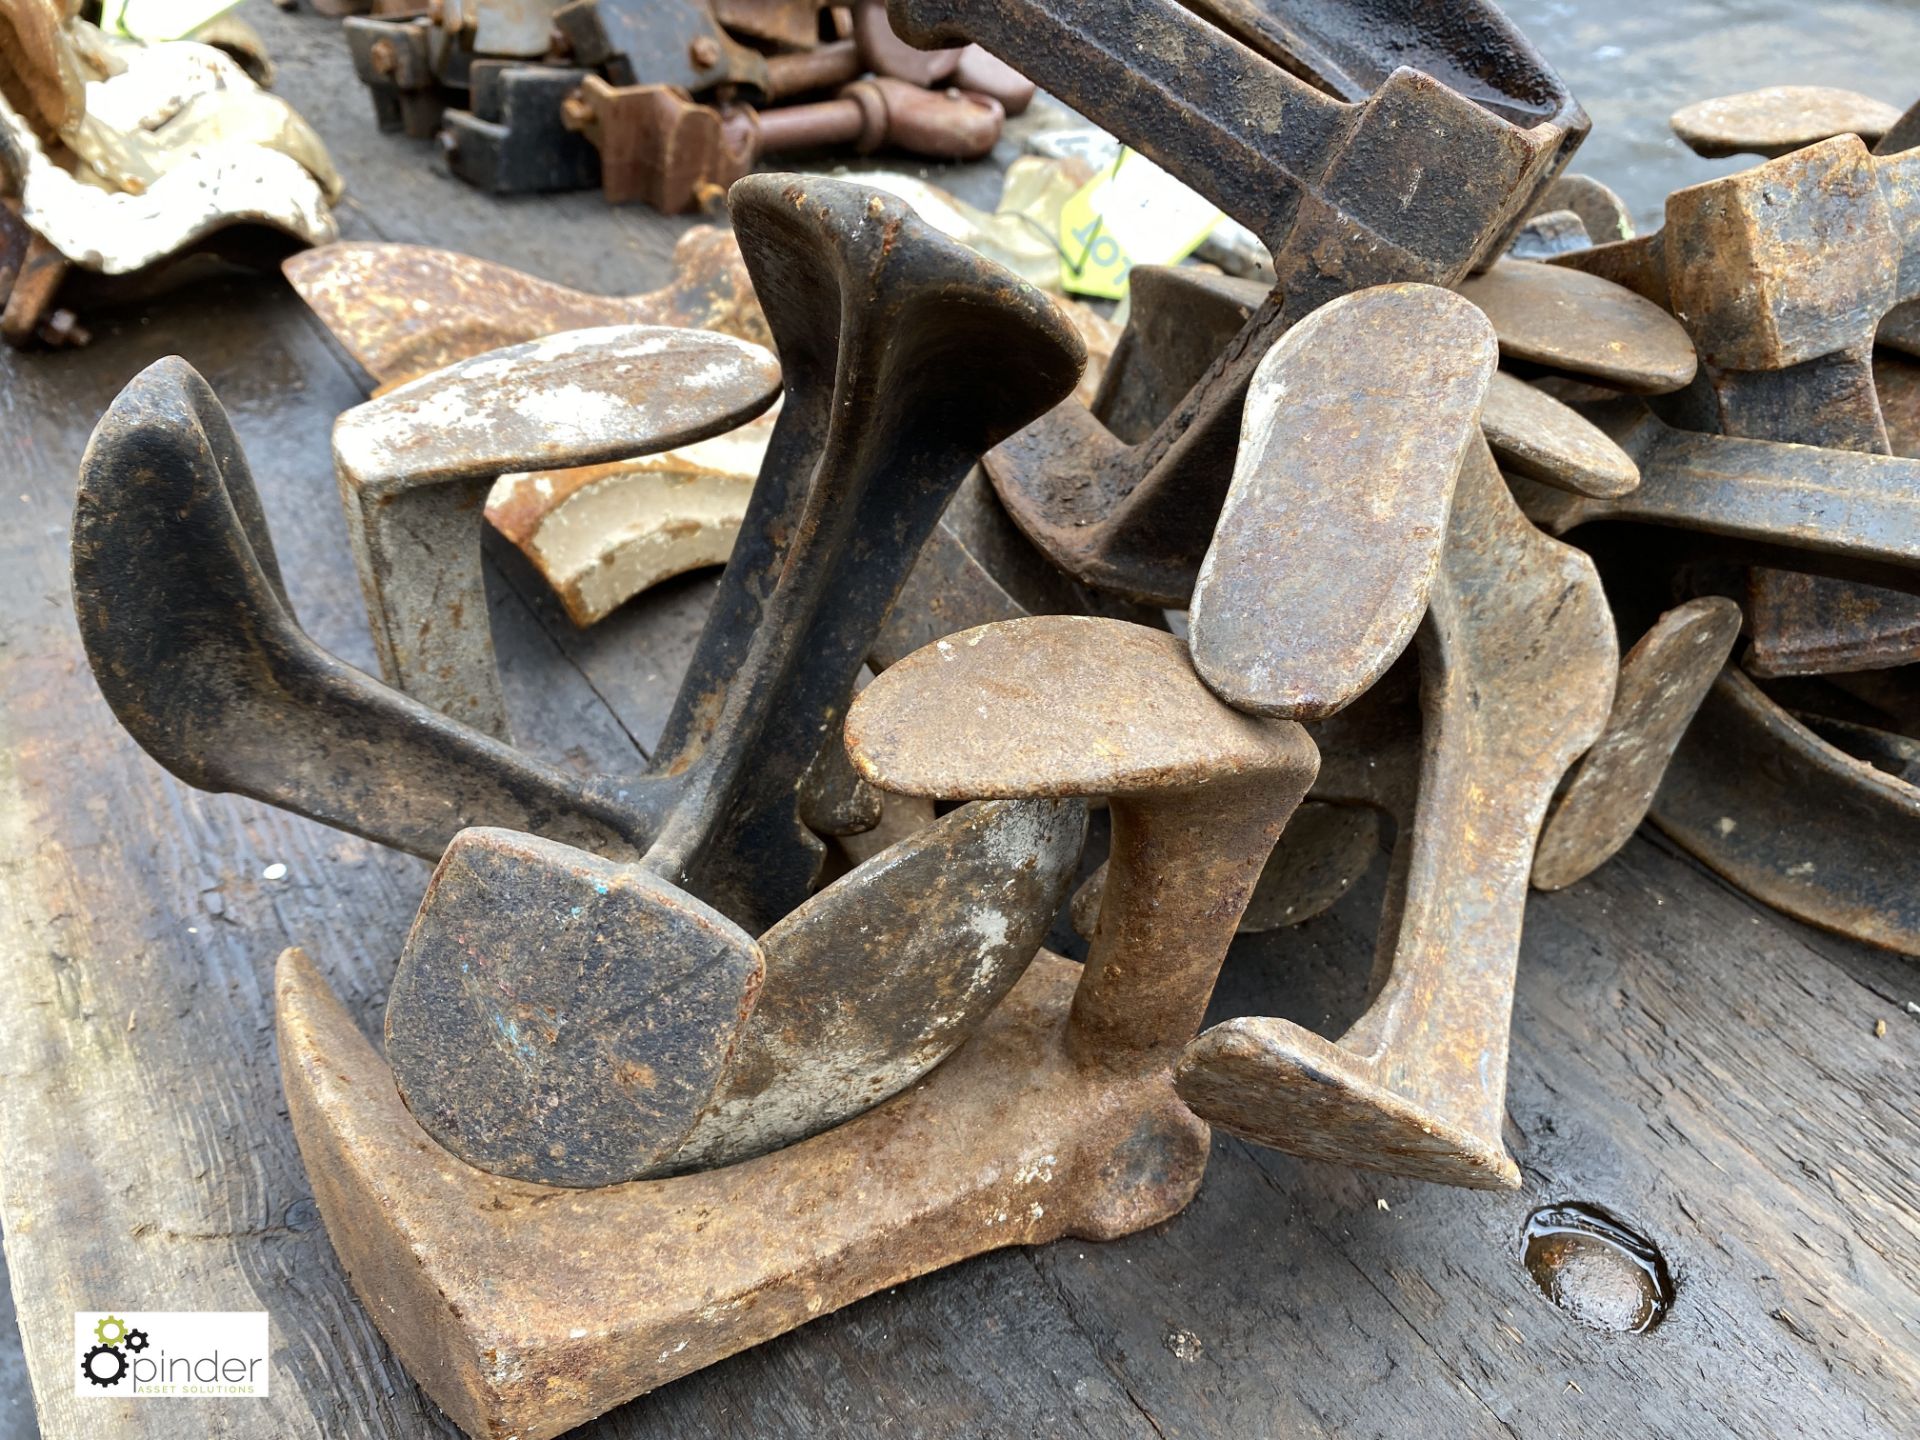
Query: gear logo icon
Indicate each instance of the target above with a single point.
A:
(104, 1365)
(111, 1330)
(136, 1340)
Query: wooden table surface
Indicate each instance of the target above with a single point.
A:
(1682, 1057)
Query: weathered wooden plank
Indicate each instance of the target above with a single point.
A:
(139, 1087)
(1692, 1064)
(1682, 1060)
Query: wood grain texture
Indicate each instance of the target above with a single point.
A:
(1689, 1061)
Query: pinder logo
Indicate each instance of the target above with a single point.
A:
(162, 1354)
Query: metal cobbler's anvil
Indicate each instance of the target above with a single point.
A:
(526, 1310)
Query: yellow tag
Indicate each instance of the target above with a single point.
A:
(1132, 213)
(153, 20)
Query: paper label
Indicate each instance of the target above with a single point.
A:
(1132, 213)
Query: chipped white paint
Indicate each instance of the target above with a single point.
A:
(615, 347)
(1036, 1172)
(576, 397)
(208, 190)
(156, 81)
(570, 414)
(176, 142)
(552, 401)
(636, 523)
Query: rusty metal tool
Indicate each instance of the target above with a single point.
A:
(1322, 852)
(415, 466)
(496, 1294)
(172, 149)
(560, 1017)
(878, 111)
(601, 534)
(661, 42)
(401, 311)
(1347, 47)
(901, 816)
(859, 471)
(1896, 382)
(1904, 134)
(879, 977)
(1181, 318)
(512, 141)
(1602, 213)
(1357, 423)
(1549, 233)
(1295, 165)
(1567, 322)
(1779, 119)
(1900, 326)
(1845, 513)
(1663, 679)
(194, 645)
(659, 146)
(1885, 701)
(626, 1031)
(977, 568)
(1517, 669)
(785, 25)
(872, 313)
(1787, 350)
(825, 67)
(1755, 802)
(460, 667)
(1889, 752)
(1535, 435)
(1827, 236)
(1198, 794)
(964, 67)
(1793, 820)
(885, 53)
(400, 62)
(725, 711)
(1816, 175)
(861, 465)
(1824, 239)
(1759, 124)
